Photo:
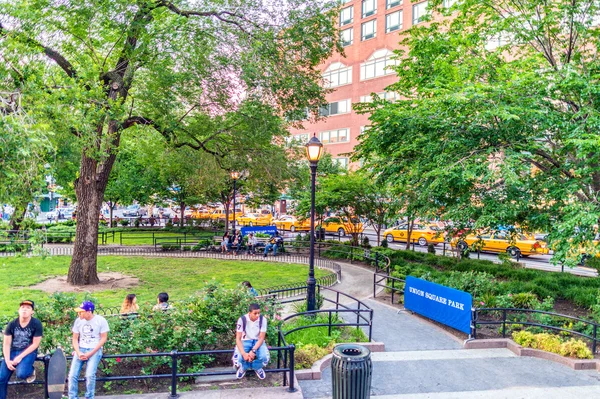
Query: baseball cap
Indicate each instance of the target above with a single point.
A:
(28, 302)
(86, 306)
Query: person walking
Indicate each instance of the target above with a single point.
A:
(90, 333)
(22, 338)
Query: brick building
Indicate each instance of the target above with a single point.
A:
(369, 30)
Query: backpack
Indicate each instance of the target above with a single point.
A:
(260, 320)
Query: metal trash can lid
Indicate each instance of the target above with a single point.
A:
(351, 352)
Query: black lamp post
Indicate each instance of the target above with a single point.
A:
(314, 151)
(234, 177)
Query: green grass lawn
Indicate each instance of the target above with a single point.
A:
(179, 277)
(147, 237)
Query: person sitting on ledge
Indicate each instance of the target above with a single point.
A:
(251, 349)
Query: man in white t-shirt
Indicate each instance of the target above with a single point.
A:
(89, 336)
(250, 334)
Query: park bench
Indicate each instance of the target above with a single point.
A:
(261, 242)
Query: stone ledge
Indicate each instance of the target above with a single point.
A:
(575, 364)
(314, 373)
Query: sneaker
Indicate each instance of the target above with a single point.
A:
(260, 373)
(31, 378)
(240, 373)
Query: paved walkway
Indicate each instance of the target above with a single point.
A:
(423, 361)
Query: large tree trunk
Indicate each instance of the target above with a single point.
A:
(89, 189)
(17, 217)
(182, 211)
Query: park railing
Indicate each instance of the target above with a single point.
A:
(393, 284)
(285, 365)
(510, 319)
(353, 308)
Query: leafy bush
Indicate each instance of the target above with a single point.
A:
(553, 343)
(204, 321)
(431, 249)
(365, 242)
(576, 348)
(525, 300)
(384, 243)
(170, 247)
(476, 283)
(306, 355)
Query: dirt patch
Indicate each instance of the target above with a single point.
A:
(108, 281)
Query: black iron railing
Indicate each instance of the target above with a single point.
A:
(510, 317)
(285, 365)
(394, 284)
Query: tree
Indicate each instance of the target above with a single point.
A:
(24, 150)
(96, 69)
(499, 116)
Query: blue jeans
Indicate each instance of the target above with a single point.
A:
(269, 246)
(261, 358)
(24, 369)
(90, 374)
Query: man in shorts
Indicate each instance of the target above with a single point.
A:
(90, 333)
(22, 338)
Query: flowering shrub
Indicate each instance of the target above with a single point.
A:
(204, 321)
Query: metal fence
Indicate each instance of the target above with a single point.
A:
(513, 318)
(385, 281)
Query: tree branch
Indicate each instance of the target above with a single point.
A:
(50, 53)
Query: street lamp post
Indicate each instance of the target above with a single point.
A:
(234, 177)
(314, 151)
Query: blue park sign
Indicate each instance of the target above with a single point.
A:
(259, 229)
(440, 303)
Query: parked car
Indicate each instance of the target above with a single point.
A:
(202, 213)
(219, 214)
(341, 225)
(135, 210)
(518, 245)
(291, 223)
(422, 233)
(254, 219)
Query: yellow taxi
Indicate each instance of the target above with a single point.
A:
(291, 223)
(202, 214)
(422, 233)
(341, 225)
(500, 241)
(219, 214)
(254, 219)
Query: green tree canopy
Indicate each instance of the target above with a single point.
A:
(95, 69)
(499, 118)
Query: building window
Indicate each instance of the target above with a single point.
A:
(369, 7)
(369, 30)
(419, 12)
(347, 36)
(342, 162)
(386, 95)
(392, 3)
(346, 16)
(335, 136)
(448, 3)
(393, 21)
(336, 108)
(337, 75)
(496, 41)
(377, 65)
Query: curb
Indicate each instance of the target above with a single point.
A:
(575, 364)
(315, 372)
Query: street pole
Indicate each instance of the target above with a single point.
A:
(234, 187)
(314, 151)
(311, 282)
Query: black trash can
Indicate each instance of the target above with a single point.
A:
(351, 372)
(320, 233)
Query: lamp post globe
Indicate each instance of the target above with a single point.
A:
(314, 151)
